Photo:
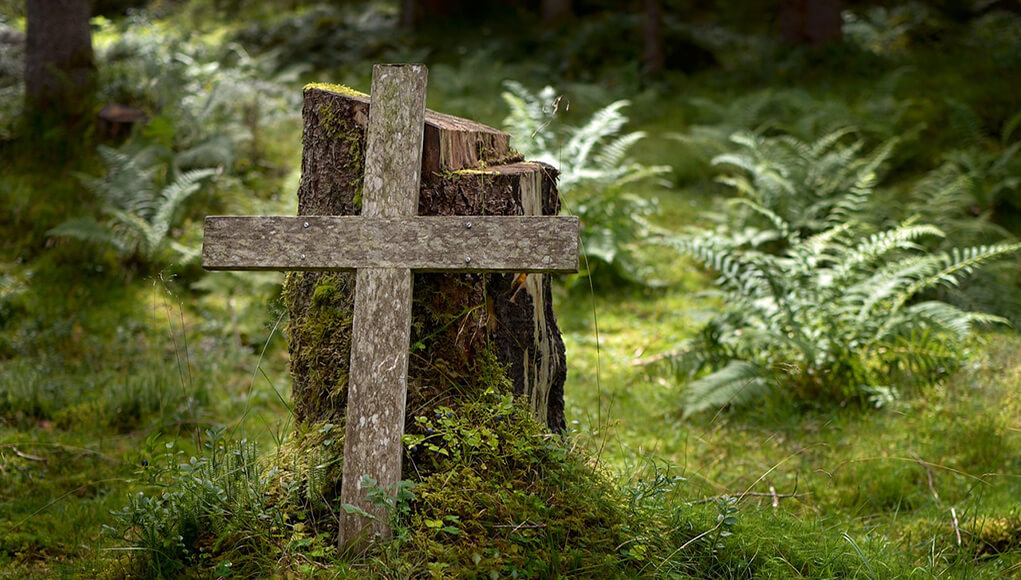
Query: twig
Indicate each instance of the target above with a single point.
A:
(521, 526)
(928, 475)
(26, 455)
(69, 448)
(957, 528)
(772, 494)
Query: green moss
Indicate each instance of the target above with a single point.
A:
(339, 127)
(495, 493)
(335, 88)
(319, 333)
(473, 172)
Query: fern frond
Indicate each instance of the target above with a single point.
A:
(966, 123)
(781, 225)
(637, 172)
(612, 154)
(880, 244)
(216, 151)
(735, 383)
(171, 199)
(883, 285)
(919, 352)
(89, 230)
(140, 230)
(956, 263)
(870, 167)
(950, 318)
(823, 243)
(829, 140)
(606, 121)
(737, 160)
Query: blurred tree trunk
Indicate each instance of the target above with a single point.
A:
(410, 15)
(653, 57)
(811, 22)
(556, 12)
(59, 69)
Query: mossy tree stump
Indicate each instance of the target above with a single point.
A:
(467, 169)
(461, 324)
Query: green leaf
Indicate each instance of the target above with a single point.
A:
(353, 509)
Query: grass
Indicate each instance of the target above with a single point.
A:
(892, 475)
(103, 363)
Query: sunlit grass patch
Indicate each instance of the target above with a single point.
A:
(897, 476)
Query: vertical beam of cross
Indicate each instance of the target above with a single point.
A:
(381, 329)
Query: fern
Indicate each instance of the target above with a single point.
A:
(820, 301)
(138, 218)
(736, 383)
(595, 171)
(809, 186)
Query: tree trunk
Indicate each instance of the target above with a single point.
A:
(467, 169)
(410, 16)
(652, 64)
(555, 12)
(59, 68)
(811, 22)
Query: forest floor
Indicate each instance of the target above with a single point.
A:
(107, 362)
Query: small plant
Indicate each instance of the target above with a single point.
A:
(595, 173)
(726, 519)
(820, 303)
(220, 495)
(395, 501)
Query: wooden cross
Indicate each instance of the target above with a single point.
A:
(384, 244)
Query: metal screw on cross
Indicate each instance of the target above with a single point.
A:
(383, 245)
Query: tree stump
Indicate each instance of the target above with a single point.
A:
(467, 169)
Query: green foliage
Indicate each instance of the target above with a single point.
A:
(801, 186)
(219, 494)
(887, 31)
(595, 172)
(12, 98)
(326, 36)
(39, 390)
(487, 455)
(797, 112)
(853, 499)
(819, 303)
(140, 198)
(210, 104)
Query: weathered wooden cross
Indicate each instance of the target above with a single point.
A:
(384, 244)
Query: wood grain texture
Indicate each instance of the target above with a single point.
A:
(421, 243)
(394, 149)
(380, 331)
(377, 395)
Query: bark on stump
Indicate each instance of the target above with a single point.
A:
(467, 169)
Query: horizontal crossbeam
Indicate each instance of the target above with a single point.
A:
(422, 243)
